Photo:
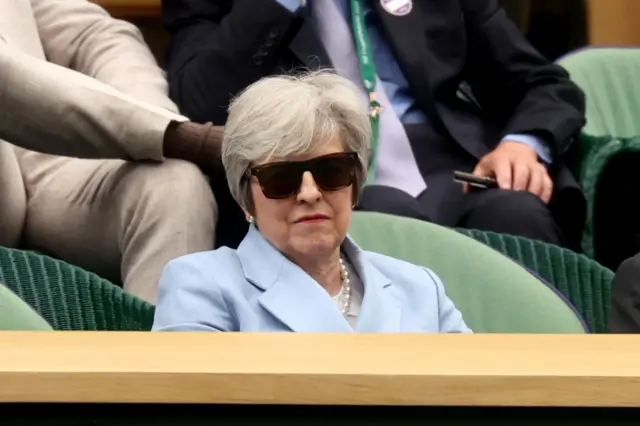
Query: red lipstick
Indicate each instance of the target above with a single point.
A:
(312, 218)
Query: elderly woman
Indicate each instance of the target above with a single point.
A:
(295, 153)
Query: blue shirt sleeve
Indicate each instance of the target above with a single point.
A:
(541, 147)
(292, 5)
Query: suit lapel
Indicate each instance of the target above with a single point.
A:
(300, 303)
(290, 295)
(406, 37)
(380, 311)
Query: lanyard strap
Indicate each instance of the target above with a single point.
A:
(368, 72)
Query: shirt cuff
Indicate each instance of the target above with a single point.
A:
(542, 147)
(292, 5)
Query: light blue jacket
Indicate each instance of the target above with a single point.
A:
(257, 289)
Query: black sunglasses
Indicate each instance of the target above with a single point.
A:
(330, 172)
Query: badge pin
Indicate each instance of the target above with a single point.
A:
(397, 7)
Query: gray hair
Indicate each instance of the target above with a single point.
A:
(282, 116)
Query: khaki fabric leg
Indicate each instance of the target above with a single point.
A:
(12, 195)
(119, 219)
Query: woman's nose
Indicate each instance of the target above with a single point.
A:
(309, 191)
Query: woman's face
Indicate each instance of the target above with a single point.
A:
(311, 222)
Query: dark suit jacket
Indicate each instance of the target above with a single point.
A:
(220, 46)
(624, 315)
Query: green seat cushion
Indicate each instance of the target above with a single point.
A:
(16, 315)
(609, 78)
(494, 294)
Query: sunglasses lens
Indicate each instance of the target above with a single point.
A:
(334, 172)
(331, 172)
(280, 180)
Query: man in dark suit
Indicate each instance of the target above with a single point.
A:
(624, 315)
(460, 89)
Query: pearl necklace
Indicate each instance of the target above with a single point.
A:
(344, 295)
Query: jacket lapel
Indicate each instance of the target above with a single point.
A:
(381, 310)
(290, 295)
(300, 303)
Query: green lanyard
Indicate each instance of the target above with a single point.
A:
(368, 71)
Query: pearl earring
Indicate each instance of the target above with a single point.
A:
(252, 219)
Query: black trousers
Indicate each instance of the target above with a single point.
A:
(508, 212)
(443, 202)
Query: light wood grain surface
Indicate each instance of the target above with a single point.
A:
(131, 8)
(470, 370)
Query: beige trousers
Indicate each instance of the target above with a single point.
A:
(121, 220)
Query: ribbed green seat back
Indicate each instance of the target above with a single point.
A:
(15, 315)
(495, 294)
(70, 298)
(609, 78)
(584, 282)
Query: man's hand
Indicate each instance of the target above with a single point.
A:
(515, 166)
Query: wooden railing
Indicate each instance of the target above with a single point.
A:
(229, 368)
(131, 8)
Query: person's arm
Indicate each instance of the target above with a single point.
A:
(81, 35)
(451, 320)
(48, 108)
(219, 47)
(514, 82)
(115, 105)
(189, 299)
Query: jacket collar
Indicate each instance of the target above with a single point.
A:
(299, 302)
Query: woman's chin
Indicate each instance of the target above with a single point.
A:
(316, 244)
